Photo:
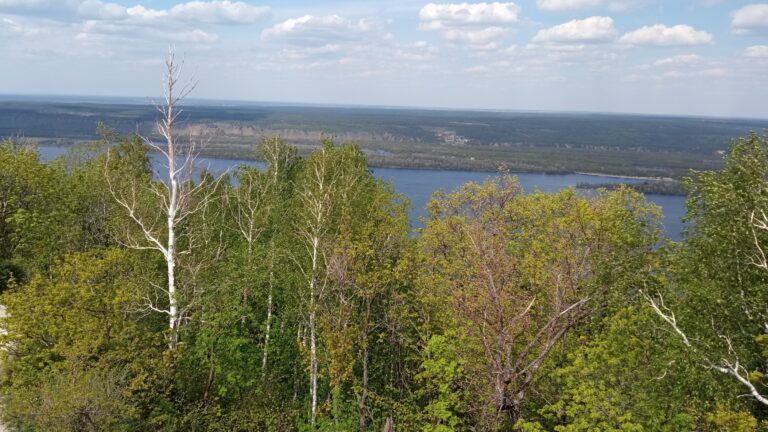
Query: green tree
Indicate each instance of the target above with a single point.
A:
(326, 187)
(35, 223)
(513, 274)
(625, 377)
(78, 350)
(715, 305)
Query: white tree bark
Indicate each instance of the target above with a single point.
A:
(268, 329)
(275, 159)
(316, 198)
(173, 208)
(326, 187)
(178, 196)
(313, 321)
(730, 366)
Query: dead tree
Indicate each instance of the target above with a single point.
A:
(176, 197)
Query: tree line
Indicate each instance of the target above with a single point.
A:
(297, 297)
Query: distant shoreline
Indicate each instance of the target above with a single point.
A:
(417, 167)
(628, 176)
(470, 168)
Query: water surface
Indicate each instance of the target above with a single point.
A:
(419, 184)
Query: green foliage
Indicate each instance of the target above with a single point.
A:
(442, 376)
(512, 274)
(508, 311)
(732, 421)
(628, 377)
(34, 221)
(714, 275)
(77, 344)
(49, 209)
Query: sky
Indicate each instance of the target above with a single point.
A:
(681, 57)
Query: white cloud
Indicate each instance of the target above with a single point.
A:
(479, 26)
(505, 66)
(98, 30)
(354, 58)
(219, 12)
(756, 51)
(477, 69)
(682, 59)
(702, 73)
(683, 66)
(447, 15)
(481, 38)
(417, 51)
(554, 54)
(140, 13)
(321, 30)
(99, 10)
(209, 12)
(750, 18)
(546, 61)
(14, 3)
(571, 5)
(679, 75)
(106, 23)
(18, 29)
(194, 36)
(661, 35)
(34, 4)
(592, 29)
(48, 8)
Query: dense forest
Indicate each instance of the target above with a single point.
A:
(658, 187)
(298, 297)
(650, 146)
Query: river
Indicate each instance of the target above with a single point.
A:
(419, 184)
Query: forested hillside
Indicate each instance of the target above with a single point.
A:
(301, 302)
(652, 146)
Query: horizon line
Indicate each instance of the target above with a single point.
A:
(213, 102)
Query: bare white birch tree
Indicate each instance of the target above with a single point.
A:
(177, 196)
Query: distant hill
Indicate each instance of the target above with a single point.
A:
(558, 142)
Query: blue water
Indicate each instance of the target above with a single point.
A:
(419, 185)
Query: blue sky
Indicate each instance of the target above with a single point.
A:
(689, 57)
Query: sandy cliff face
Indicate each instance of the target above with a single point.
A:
(300, 135)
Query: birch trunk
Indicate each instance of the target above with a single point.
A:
(269, 321)
(313, 331)
(167, 130)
